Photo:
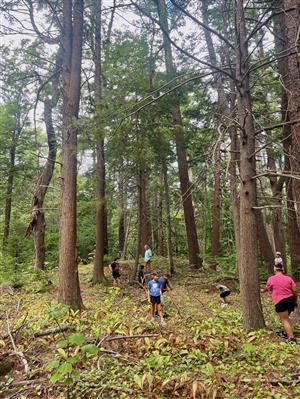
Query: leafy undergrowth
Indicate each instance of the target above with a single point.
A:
(112, 350)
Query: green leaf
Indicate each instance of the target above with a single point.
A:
(62, 353)
(76, 339)
(65, 368)
(55, 377)
(249, 347)
(91, 349)
(53, 364)
(137, 379)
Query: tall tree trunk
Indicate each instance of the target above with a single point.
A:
(264, 243)
(185, 185)
(122, 227)
(38, 223)
(42, 187)
(144, 216)
(222, 105)
(282, 43)
(160, 246)
(233, 182)
(9, 190)
(69, 290)
(168, 216)
(98, 272)
(248, 270)
(216, 216)
(292, 82)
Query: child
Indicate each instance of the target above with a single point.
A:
(115, 271)
(165, 286)
(284, 295)
(278, 259)
(147, 257)
(224, 293)
(154, 297)
(141, 276)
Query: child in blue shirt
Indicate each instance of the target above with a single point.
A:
(154, 297)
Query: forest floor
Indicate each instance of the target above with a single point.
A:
(113, 350)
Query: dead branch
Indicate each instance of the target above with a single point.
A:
(222, 70)
(48, 159)
(202, 24)
(54, 330)
(118, 337)
(16, 352)
(277, 125)
(266, 206)
(27, 382)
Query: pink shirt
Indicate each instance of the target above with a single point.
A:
(281, 287)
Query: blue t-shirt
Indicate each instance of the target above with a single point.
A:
(154, 287)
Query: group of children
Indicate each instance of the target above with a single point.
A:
(282, 288)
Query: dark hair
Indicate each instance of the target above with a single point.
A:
(279, 267)
(142, 266)
(116, 259)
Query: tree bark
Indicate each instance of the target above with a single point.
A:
(69, 290)
(248, 270)
(185, 185)
(293, 232)
(38, 223)
(98, 272)
(160, 236)
(122, 227)
(168, 216)
(42, 187)
(144, 216)
(292, 82)
(264, 243)
(9, 190)
(216, 216)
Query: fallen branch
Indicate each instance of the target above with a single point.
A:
(16, 352)
(27, 382)
(54, 330)
(118, 337)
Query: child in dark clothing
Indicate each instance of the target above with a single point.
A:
(224, 293)
(115, 271)
(142, 276)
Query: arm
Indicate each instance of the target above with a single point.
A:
(148, 293)
(169, 285)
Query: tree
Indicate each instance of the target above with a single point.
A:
(185, 185)
(248, 270)
(69, 290)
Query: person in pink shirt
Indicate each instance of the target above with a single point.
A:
(284, 296)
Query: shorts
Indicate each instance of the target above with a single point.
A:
(286, 304)
(225, 293)
(155, 300)
(116, 274)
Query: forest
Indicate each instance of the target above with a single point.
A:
(149, 144)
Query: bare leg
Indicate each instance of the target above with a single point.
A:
(160, 312)
(285, 319)
(153, 310)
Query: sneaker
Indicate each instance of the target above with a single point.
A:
(162, 322)
(223, 305)
(282, 334)
(291, 341)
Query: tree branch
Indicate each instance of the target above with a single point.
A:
(202, 24)
(189, 55)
